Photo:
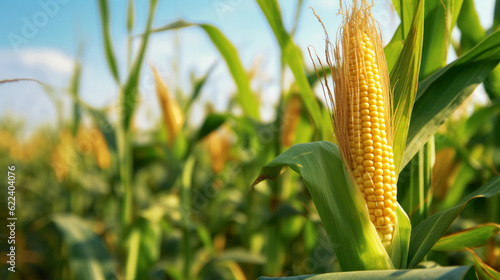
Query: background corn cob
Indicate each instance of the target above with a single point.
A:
(362, 116)
(219, 146)
(173, 116)
(93, 138)
(290, 120)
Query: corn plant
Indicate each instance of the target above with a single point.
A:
(389, 187)
(381, 120)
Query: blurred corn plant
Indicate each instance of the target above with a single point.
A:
(166, 204)
(424, 92)
(173, 202)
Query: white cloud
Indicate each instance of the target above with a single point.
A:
(51, 59)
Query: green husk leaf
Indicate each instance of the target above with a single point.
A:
(340, 205)
(401, 243)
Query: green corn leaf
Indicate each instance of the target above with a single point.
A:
(496, 16)
(108, 45)
(87, 256)
(245, 96)
(211, 123)
(429, 231)
(293, 58)
(74, 89)
(130, 16)
(483, 270)
(130, 88)
(471, 34)
(406, 11)
(198, 86)
(404, 80)
(440, 18)
(439, 95)
(340, 205)
(471, 238)
(442, 273)
(470, 27)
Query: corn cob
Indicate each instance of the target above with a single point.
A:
(173, 117)
(290, 121)
(99, 146)
(361, 115)
(219, 146)
(371, 154)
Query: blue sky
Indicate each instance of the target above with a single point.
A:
(53, 30)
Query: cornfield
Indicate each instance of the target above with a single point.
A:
(377, 159)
